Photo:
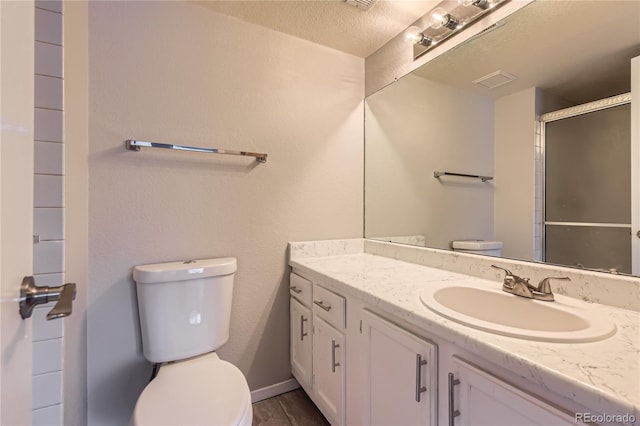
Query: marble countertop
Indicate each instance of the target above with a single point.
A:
(603, 376)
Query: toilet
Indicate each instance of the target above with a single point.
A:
(185, 310)
(487, 248)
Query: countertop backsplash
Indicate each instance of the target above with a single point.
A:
(609, 289)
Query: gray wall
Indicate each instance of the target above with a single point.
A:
(177, 72)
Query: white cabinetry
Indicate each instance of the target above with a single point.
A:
(318, 345)
(329, 370)
(301, 331)
(401, 371)
(478, 398)
(301, 338)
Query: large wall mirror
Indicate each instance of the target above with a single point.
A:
(557, 184)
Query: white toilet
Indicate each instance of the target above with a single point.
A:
(487, 248)
(185, 310)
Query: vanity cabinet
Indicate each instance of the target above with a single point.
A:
(318, 345)
(479, 398)
(301, 330)
(301, 343)
(401, 371)
(329, 370)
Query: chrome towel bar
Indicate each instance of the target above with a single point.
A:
(482, 178)
(135, 145)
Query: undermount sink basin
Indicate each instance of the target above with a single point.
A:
(564, 321)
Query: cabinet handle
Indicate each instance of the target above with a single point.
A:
(419, 388)
(334, 364)
(295, 289)
(302, 333)
(322, 305)
(452, 412)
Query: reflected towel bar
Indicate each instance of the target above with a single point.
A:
(134, 145)
(482, 178)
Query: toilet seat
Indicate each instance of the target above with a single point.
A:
(204, 390)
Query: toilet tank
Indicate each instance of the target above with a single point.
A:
(487, 248)
(184, 307)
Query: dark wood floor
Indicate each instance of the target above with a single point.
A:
(289, 409)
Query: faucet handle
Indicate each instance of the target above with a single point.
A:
(510, 278)
(544, 286)
(508, 273)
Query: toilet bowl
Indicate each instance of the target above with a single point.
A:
(200, 391)
(487, 248)
(185, 310)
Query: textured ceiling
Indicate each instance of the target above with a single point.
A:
(332, 23)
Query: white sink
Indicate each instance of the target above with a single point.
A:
(490, 309)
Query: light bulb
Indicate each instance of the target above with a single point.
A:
(413, 35)
(439, 17)
(480, 4)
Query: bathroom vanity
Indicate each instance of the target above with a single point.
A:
(368, 350)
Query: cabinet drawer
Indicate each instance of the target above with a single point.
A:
(300, 288)
(329, 306)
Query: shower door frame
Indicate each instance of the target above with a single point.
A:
(587, 108)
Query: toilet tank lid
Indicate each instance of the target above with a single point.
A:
(184, 270)
(477, 245)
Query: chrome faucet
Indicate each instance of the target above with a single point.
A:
(522, 287)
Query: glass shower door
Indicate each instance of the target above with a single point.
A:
(587, 191)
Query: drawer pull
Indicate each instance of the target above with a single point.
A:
(302, 333)
(452, 411)
(295, 289)
(419, 388)
(322, 305)
(334, 364)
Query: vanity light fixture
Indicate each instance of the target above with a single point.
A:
(442, 23)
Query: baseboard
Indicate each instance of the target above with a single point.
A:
(274, 390)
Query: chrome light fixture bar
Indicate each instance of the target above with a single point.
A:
(443, 24)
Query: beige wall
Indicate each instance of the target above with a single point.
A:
(515, 174)
(413, 128)
(177, 72)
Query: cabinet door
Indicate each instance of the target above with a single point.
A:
(483, 399)
(301, 341)
(329, 370)
(402, 374)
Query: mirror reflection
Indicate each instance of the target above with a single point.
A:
(538, 105)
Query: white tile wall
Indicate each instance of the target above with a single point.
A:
(53, 5)
(48, 125)
(48, 59)
(47, 390)
(48, 257)
(48, 223)
(47, 191)
(48, 253)
(47, 416)
(48, 26)
(47, 356)
(48, 158)
(48, 92)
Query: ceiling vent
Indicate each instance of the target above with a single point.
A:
(495, 79)
(361, 4)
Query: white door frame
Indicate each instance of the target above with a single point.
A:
(16, 205)
(635, 165)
